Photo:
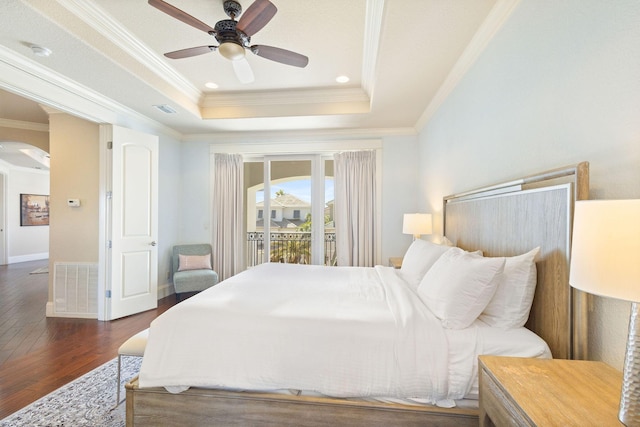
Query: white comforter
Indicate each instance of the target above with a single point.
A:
(338, 331)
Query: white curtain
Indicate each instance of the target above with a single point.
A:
(228, 226)
(355, 207)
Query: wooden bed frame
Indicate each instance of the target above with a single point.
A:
(503, 220)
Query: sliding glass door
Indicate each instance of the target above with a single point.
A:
(289, 202)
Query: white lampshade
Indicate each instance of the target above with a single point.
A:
(605, 261)
(232, 51)
(605, 251)
(417, 224)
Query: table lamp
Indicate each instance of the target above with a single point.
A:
(417, 224)
(605, 261)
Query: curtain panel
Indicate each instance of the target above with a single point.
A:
(355, 208)
(228, 227)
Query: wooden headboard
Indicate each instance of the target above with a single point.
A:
(514, 217)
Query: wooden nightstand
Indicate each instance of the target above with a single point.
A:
(536, 392)
(395, 261)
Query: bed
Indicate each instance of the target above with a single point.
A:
(503, 220)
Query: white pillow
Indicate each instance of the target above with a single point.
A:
(419, 258)
(510, 306)
(194, 262)
(459, 286)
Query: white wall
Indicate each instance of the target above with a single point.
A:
(25, 243)
(75, 166)
(558, 84)
(195, 193)
(169, 208)
(400, 192)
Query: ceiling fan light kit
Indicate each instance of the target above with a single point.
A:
(234, 37)
(231, 50)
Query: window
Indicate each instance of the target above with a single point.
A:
(290, 187)
(274, 166)
(260, 214)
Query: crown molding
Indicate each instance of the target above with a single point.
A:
(298, 135)
(28, 78)
(284, 97)
(19, 124)
(250, 148)
(211, 104)
(31, 80)
(309, 102)
(108, 27)
(372, 34)
(498, 15)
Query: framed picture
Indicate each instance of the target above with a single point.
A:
(34, 209)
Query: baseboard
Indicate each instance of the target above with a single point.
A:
(25, 258)
(165, 290)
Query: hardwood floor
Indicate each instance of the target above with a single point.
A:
(40, 354)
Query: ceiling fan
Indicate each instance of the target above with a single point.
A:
(234, 37)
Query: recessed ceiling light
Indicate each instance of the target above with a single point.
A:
(165, 108)
(40, 50)
(211, 85)
(342, 79)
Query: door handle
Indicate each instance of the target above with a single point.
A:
(153, 243)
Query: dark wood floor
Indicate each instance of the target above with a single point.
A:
(40, 354)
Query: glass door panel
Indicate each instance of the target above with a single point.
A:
(290, 211)
(282, 226)
(254, 211)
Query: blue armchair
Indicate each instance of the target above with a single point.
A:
(196, 273)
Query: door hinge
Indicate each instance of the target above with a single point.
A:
(109, 194)
(109, 145)
(109, 244)
(108, 293)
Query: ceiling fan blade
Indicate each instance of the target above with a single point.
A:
(192, 51)
(180, 15)
(243, 70)
(280, 55)
(256, 17)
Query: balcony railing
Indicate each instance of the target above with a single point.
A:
(291, 247)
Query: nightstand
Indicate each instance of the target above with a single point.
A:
(548, 392)
(395, 262)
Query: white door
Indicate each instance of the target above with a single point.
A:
(133, 224)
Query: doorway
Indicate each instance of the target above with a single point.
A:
(289, 215)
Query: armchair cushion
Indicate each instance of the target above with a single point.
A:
(194, 262)
(194, 280)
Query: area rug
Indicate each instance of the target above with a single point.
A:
(42, 270)
(87, 401)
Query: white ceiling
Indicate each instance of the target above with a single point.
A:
(403, 58)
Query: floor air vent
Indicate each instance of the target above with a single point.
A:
(75, 290)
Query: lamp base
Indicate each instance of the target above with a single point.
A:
(629, 413)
